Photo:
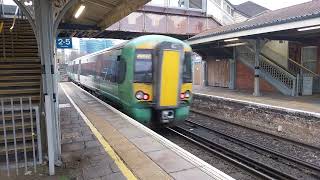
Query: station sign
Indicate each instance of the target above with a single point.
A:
(64, 43)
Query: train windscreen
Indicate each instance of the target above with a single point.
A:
(143, 67)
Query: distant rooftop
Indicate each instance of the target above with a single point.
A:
(250, 9)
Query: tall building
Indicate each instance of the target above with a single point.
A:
(94, 45)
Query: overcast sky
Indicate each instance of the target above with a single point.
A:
(272, 4)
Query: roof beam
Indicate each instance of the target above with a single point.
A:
(102, 3)
(120, 11)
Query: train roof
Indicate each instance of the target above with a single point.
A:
(143, 42)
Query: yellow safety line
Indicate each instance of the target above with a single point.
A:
(123, 168)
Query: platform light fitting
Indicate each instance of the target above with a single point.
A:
(28, 3)
(230, 40)
(79, 11)
(309, 28)
(236, 44)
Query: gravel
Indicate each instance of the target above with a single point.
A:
(219, 163)
(278, 144)
(287, 147)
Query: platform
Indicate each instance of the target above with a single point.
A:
(301, 103)
(134, 151)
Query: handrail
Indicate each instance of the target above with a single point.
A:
(301, 66)
(14, 18)
(273, 62)
(280, 69)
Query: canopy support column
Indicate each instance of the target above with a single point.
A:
(45, 22)
(233, 71)
(257, 69)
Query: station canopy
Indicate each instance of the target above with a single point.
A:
(97, 15)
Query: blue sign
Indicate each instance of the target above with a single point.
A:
(64, 43)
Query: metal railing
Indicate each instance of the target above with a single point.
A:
(20, 135)
(285, 81)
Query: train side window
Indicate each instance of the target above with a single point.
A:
(187, 68)
(122, 69)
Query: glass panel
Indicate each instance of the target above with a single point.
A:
(196, 4)
(143, 67)
(187, 68)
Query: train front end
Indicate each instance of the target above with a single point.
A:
(162, 84)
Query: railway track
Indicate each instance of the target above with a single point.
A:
(203, 136)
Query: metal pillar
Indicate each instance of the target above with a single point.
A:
(257, 69)
(44, 23)
(233, 70)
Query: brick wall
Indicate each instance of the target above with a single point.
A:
(245, 80)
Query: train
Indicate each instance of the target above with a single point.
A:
(149, 78)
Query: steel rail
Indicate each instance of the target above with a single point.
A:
(255, 145)
(252, 165)
(260, 132)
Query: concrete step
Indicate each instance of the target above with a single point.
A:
(21, 92)
(19, 66)
(19, 59)
(19, 84)
(20, 71)
(18, 46)
(18, 126)
(20, 77)
(20, 54)
(19, 137)
(20, 148)
(18, 50)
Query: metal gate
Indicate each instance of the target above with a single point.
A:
(20, 138)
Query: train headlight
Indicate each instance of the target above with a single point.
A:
(187, 94)
(182, 96)
(139, 95)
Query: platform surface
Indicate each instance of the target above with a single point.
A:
(144, 153)
(300, 103)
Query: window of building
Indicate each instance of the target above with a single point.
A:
(218, 2)
(196, 4)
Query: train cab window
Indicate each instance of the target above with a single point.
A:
(187, 68)
(143, 67)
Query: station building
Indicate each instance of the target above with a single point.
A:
(274, 51)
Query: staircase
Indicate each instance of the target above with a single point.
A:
(273, 73)
(20, 84)
(20, 67)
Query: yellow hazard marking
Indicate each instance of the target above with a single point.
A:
(123, 168)
(1, 27)
(170, 78)
(186, 87)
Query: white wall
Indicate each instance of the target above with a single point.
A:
(278, 51)
(219, 13)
